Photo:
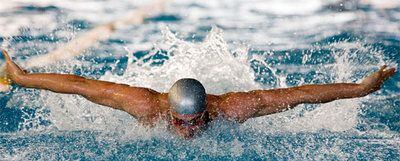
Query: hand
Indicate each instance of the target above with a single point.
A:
(375, 80)
(12, 69)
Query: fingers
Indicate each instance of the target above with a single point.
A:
(385, 73)
(383, 67)
(5, 54)
(389, 72)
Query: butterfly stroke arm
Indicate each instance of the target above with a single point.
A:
(241, 106)
(134, 100)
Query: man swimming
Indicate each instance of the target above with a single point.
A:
(187, 107)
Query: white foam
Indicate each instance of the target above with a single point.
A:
(210, 62)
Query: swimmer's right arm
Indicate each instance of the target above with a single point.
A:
(134, 100)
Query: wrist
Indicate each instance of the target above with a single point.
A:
(17, 78)
(365, 89)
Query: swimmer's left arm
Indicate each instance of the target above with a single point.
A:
(241, 106)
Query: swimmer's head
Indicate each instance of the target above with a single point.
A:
(187, 97)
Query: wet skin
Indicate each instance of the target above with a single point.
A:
(149, 106)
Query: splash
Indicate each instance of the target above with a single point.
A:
(221, 70)
(211, 62)
(352, 60)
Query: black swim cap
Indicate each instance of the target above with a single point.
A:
(187, 96)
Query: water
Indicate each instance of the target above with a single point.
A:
(227, 45)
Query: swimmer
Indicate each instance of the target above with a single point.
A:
(187, 107)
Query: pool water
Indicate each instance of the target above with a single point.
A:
(233, 45)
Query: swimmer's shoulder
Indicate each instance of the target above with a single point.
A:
(213, 106)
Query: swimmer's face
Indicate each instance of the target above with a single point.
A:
(187, 125)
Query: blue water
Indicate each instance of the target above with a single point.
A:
(283, 45)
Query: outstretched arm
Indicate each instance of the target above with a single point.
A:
(134, 100)
(243, 105)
